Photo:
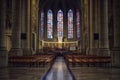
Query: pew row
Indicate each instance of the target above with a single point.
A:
(88, 60)
(34, 60)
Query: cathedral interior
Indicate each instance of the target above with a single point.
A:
(59, 39)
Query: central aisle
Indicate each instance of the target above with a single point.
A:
(59, 71)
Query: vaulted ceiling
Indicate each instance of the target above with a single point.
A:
(59, 4)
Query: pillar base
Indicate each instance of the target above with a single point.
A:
(27, 52)
(104, 52)
(16, 52)
(39, 51)
(115, 54)
(93, 51)
(3, 57)
(83, 51)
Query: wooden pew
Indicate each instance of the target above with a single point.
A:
(21, 60)
(89, 60)
(35, 60)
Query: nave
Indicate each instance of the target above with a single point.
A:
(33, 32)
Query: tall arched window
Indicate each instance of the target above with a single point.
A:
(78, 24)
(60, 23)
(70, 24)
(42, 25)
(50, 24)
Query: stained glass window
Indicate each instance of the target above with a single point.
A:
(60, 23)
(42, 25)
(70, 24)
(50, 24)
(78, 24)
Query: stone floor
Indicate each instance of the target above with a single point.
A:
(96, 73)
(80, 73)
(59, 71)
(22, 73)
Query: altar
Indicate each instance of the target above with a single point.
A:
(60, 45)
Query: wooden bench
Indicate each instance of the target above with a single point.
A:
(89, 60)
(35, 60)
(21, 60)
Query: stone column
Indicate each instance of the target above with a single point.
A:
(28, 24)
(79, 39)
(55, 24)
(16, 29)
(86, 27)
(39, 30)
(65, 27)
(94, 26)
(32, 24)
(90, 26)
(45, 27)
(98, 25)
(82, 28)
(23, 23)
(103, 31)
(3, 51)
(28, 29)
(37, 26)
(115, 53)
(74, 26)
(24, 36)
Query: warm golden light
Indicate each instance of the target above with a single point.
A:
(60, 39)
(60, 42)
